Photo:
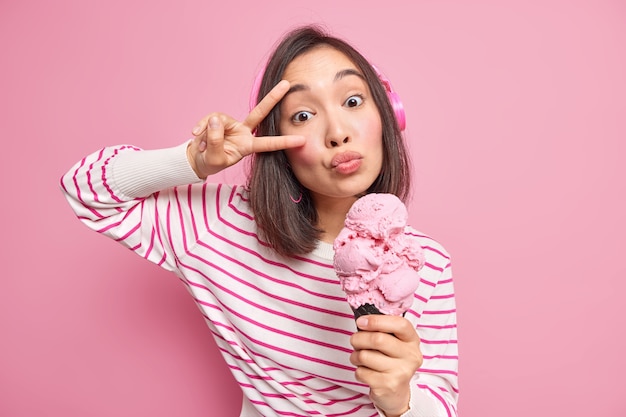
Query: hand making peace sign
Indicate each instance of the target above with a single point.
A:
(221, 141)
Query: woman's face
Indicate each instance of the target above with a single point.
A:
(330, 103)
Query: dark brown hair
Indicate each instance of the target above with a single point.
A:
(290, 228)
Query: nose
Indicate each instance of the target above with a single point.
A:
(336, 132)
(334, 143)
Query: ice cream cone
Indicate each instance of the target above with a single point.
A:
(364, 310)
(376, 258)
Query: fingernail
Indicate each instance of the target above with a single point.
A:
(196, 130)
(362, 321)
(214, 122)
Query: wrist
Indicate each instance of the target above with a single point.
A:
(399, 406)
(192, 162)
(396, 413)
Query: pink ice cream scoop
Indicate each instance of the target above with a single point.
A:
(377, 264)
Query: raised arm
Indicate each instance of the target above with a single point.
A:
(127, 193)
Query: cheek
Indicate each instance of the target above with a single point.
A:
(371, 129)
(301, 157)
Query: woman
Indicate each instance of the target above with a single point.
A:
(257, 259)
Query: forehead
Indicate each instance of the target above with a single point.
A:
(321, 59)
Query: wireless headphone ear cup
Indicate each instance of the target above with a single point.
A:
(394, 99)
(398, 109)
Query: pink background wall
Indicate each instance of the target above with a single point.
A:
(517, 122)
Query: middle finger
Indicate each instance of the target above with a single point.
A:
(266, 105)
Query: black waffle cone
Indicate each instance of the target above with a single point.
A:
(365, 309)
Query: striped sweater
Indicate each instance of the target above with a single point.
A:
(281, 323)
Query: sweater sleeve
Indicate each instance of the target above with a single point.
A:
(125, 192)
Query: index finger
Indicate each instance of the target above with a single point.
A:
(266, 105)
(276, 143)
(396, 325)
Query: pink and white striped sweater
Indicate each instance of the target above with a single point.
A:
(282, 324)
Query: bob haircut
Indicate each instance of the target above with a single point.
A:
(290, 228)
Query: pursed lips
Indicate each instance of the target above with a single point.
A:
(346, 162)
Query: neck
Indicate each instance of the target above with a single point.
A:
(331, 215)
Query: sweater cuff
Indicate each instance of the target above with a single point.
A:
(421, 404)
(141, 173)
(424, 404)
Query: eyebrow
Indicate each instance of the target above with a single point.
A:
(340, 75)
(350, 71)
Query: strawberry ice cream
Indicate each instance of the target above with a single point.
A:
(377, 264)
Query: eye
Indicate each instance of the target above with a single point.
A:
(301, 116)
(354, 101)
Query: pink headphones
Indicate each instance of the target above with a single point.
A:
(394, 98)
